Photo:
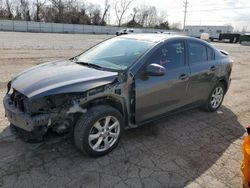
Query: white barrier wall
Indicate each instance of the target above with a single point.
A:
(25, 26)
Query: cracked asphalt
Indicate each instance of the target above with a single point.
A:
(189, 149)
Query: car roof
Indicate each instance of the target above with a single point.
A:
(156, 37)
(150, 37)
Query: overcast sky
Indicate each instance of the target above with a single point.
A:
(200, 12)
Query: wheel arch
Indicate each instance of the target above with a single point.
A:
(224, 82)
(116, 103)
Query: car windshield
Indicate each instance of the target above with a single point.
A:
(115, 53)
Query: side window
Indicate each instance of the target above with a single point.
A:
(197, 53)
(210, 54)
(170, 55)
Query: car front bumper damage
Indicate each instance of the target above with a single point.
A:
(22, 119)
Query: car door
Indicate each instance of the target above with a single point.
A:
(203, 68)
(156, 95)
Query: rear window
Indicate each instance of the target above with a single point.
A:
(197, 52)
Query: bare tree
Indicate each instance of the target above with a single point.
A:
(17, 11)
(59, 6)
(142, 15)
(152, 17)
(162, 17)
(106, 9)
(2, 9)
(47, 14)
(83, 17)
(135, 11)
(9, 9)
(25, 10)
(96, 18)
(133, 22)
(94, 13)
(121, 6)
(38, 6)
(147, 16)
(72, 12)
(82, 12)
(175, 26)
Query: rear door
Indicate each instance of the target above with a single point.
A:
(156, 95)
(203, 70)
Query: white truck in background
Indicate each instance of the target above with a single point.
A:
(213, 31)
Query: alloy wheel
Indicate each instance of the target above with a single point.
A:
(104, 133)
(217, 97)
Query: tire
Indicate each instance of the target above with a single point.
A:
(214, 101)
(98, 132)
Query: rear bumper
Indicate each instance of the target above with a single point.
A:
(21, 119)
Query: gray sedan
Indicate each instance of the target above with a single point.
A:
(121, 83)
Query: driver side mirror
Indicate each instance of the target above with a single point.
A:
(155, 70)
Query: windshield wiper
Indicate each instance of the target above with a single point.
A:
(89, 65)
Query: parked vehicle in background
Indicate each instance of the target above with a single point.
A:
(229, 37)
(170, 32)
(128, 31)
(213, 31)
(245, 39)
(121, 83)
(205, 36)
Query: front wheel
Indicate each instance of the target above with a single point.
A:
(99, 130)
(215, 98)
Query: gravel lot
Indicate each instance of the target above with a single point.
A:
(189, 149)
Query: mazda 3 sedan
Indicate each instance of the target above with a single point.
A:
(120, 83)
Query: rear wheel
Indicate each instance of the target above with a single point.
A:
(99, 130)
(215, 98)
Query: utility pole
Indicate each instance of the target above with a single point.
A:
(185, 13)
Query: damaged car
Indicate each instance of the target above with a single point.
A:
(120, 83)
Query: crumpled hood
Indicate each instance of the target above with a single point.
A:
(60, 77)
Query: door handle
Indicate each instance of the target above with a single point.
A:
(183, 77)
(213, 68)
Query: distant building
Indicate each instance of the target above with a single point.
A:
(213, 31)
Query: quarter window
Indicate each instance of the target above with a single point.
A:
(170, 55)
(197, 52)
